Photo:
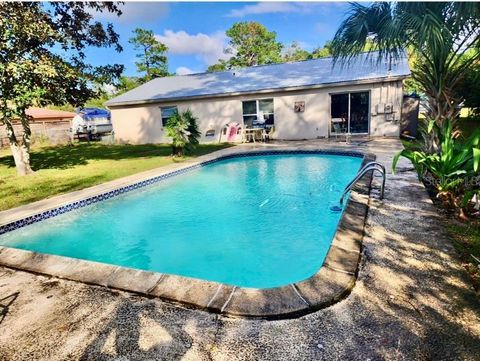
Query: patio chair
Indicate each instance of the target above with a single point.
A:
(268, 135)
(247, 136)
(337, 128)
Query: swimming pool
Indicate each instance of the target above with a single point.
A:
(256, 221)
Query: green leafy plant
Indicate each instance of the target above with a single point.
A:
(183, 129)
(452, 170)
(441, 38)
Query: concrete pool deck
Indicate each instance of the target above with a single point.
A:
(412, 301)
(331, 282)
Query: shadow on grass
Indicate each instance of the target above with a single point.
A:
(67, 156)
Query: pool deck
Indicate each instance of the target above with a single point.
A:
(332, 282)
(412, 301)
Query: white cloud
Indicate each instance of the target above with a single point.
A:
(136, 12)
(208, 48)
(264, 8)
(183, 70)
(282, 7)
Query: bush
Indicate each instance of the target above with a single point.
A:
(452, 169)
(183, 129)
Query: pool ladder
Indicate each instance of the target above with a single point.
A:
(371, 166)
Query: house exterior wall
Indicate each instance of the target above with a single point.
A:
(143, 123)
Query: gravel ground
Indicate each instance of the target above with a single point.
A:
(412, 301)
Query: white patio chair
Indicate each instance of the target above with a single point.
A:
(270, 134)
(337, 127)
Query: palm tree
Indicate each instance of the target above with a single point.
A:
(441, 38)
(183, 129)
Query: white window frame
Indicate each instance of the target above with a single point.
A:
(257, 107)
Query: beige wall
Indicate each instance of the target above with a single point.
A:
(143, 124)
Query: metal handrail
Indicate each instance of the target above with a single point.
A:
(372, 166)
(382, 171)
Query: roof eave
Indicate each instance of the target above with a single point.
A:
(263, 91)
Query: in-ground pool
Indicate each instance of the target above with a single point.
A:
(253, 221)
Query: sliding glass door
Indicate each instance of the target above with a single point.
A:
(350, 112)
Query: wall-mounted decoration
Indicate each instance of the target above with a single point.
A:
(299, 107)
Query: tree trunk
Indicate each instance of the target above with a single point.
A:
(21, 155)
(177, 151)
(20, 152)
(441, 106)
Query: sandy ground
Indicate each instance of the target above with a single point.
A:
(412, 301)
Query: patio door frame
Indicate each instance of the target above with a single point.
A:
(349, 110)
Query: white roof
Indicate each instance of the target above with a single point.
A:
(296, 75)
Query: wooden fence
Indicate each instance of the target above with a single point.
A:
(56, 131)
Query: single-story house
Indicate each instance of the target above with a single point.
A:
(50, 124)
(302, 100)
(49, 115)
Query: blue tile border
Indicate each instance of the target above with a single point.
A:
(113, 193)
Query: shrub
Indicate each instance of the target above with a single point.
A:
(183, 129)
(451, 169)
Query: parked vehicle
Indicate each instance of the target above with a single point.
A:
(91, 123)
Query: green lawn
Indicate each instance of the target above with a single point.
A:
(66, 168)
(466, 239)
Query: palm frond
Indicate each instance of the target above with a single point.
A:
(442, 36)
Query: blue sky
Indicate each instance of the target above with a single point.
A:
(195, 32)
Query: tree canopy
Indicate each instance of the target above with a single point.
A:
(439, 35)
(42, 61)
(294, 52)
(126, 83)
(250, 43)
(151, 54)
(322, 52)
(222, 65)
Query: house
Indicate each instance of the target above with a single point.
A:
(50, 124)
(303, 100)
(49, 115)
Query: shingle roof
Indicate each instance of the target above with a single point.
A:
(309, 73)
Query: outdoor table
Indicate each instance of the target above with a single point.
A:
(253, 133)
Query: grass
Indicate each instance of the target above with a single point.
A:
(66, 168)
(466, 239)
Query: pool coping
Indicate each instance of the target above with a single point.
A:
(332, 282)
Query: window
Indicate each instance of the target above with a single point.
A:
(258, 112)
(167, 112)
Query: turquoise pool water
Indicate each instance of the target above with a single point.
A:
(258, 221)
